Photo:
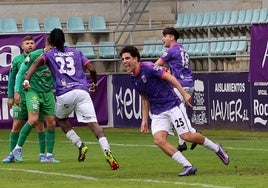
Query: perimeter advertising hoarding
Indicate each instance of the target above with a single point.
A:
(220, 101)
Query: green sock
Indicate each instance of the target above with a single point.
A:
(25, 131)
(42, 142)
(13, 139)
(50, 138)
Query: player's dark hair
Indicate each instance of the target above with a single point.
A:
(134, 52)
(171, 31)
(57, 39)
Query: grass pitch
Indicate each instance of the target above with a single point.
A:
(142, 164)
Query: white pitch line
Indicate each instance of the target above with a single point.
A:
(125, 180)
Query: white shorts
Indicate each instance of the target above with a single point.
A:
(175, 118)
(78, 101)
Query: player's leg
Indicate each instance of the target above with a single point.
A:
(48, 110)
(39, 127)
(32, 104)
(64, 107)
(85, 113)
(160, 130)
(194, 137)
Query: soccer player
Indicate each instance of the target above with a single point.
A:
(19, 111)
(72, 92)
(155, 86)
(40, 105)
(178, 60)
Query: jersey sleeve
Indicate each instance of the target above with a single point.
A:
(11, 79)
(19, 77)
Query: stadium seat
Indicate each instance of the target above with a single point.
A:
(226, 45)
(242, 44)
(255, 15)
(30, 25)
(234, 17)
(263, 15)
(219, 17)
(179, 21)
(241, 17)
(199, 19)
(226, 17)
(192, 46)
(204, 50)
(192, 20)
(67, 44)
(75, 23)
(206, 19)
(186, 44)
(198, 48)
(186, 19)
(146, 48)
(219, 46)
(152, 48)
(97, 23)
(158, 49)
(212, 18)
(213, 45)
(8, 25)
(87, 49)
(51, 23)
(107, 50)
(248, 16)
(234, 45)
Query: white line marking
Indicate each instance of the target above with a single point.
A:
(125, 180)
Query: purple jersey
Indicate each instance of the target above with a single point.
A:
(158, 91)
(178, 59)
(67, 68)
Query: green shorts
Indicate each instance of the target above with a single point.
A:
(44, 103)
(20, 112)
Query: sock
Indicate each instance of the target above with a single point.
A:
(181, 142)
(50, 138)
(181, 159)
(210, 145)
(42, 142)
(25, 131)
(104, 144)
(13, 139)
(74, 138)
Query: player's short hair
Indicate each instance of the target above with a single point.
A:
(27, 37)
(171, 31)
(134, 52)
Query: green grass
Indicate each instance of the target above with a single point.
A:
(141, 163)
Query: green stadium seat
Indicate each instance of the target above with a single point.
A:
(219, 46)
(204, 50)
(192, 20)
(206, 19)
(242, 44)
(152, 48)
(199, 46)
(199, 19)
(75, 23)
(212, 18)
(8, 25)
(241, 17)
(186, 44)
(186, 19)
(234, 45)
(87, 49)
(226, 17)
(107, 50)
(179, 21)
(30, 25)
(192, 46)
(52, 23)
(219, 18)
(158, 49)
(226, 45)
(146, 48)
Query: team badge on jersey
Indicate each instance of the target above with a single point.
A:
(143, 77)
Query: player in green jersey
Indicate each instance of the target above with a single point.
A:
(19, 111)
(40, 103)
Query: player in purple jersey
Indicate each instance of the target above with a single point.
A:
(178, 60)
(155, 85)
(72, 92)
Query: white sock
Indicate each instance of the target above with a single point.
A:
(181, 159)
(210, 145)
(49, 154)
(104, 144)
(181, 141)
(17, 147)
(74, 138)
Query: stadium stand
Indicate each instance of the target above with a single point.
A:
(30, 25)
(8, 25)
